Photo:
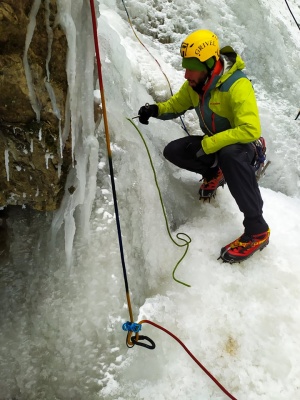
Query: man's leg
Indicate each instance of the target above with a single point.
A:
(182, 153)
(235, 162)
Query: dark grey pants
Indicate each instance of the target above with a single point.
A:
(235, 162)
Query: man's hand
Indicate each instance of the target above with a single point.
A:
(147, 111)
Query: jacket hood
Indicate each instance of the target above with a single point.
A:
(231, 61)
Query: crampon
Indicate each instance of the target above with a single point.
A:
(209, 188)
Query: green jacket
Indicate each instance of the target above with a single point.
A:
(228, 105)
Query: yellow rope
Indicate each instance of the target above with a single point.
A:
(186, 240)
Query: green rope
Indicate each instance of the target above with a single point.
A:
(180, 236)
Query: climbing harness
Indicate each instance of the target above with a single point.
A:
(260, 162)
(130, 326)
(171, 91)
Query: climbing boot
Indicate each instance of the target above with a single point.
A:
(208, 188)
(243, 247)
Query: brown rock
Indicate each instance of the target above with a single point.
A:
(33, 165)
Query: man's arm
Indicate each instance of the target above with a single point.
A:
(185, 99)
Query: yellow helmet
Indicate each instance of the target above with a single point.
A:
(201, 44)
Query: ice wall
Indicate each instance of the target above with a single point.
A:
(74, 213)
(30, 30)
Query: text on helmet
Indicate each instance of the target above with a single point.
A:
(203, 45)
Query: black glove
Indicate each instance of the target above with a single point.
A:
(147, 111)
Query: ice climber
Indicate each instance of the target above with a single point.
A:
(225, 103)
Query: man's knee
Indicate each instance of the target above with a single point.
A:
(168, 151)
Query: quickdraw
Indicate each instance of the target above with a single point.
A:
(260, 165)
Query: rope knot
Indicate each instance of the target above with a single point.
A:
(131, 327)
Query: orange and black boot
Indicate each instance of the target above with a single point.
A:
(243, 247)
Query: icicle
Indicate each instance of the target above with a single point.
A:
(61, 151)
(47, 156)
(6, 157)
(59, 169)
(50, 38)
(56, 113)
(53, 100)
(66, 21)
(70, 230)
(29, 34)
(66, 130)
(75, 210)
(48, 85)
(60, 140)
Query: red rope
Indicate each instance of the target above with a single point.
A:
(98, 59)
(109, 154)
(111, 170)
(192, 356)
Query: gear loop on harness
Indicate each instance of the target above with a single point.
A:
(259, 163)
(260, 150)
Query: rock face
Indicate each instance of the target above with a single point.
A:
(35, 144)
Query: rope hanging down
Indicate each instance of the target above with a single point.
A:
(111, 170)
(298, 24)
(186, 240)
(131, 326)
